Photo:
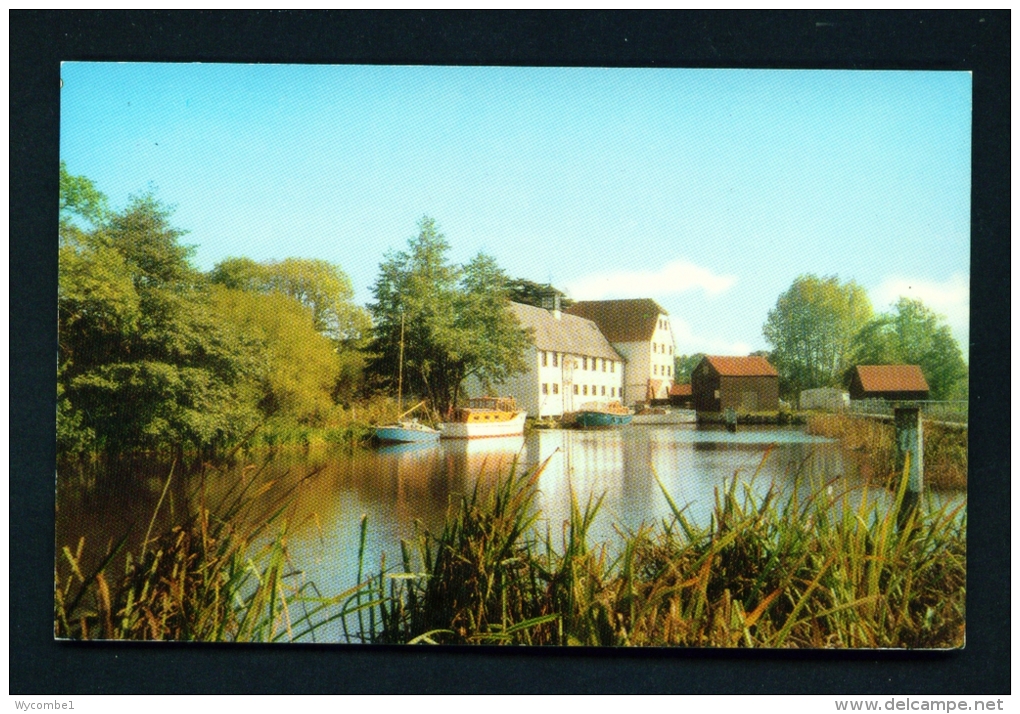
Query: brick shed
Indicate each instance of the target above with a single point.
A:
(892, 382)
(744, 383)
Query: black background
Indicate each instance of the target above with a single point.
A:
(39, 41)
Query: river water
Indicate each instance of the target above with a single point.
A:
(401, 488)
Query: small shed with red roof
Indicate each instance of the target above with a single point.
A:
(680, 395)
(892, 382)
(744, 383)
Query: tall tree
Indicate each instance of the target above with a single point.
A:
(455, 321)
(914, 334)
(140, 363)
(316, 284)
(811, 331)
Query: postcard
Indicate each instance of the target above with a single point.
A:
(513, 356)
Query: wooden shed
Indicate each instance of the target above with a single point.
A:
(892, 382)
(744, 383)
(680, 395)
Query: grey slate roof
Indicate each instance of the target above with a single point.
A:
(570, 334)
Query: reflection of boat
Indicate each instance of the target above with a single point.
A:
(405, 447)
(666, 416)
(485, 416)
(603, 414)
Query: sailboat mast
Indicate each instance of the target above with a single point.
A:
(400, 365)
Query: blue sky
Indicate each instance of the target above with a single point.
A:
(708, 190)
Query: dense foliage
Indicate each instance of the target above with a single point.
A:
(453, 320)
(155, 355)
(811, 331)
(913, 334)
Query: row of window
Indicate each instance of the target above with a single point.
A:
(662, 349)
(665, 370)
(608, 365)
(583, 390)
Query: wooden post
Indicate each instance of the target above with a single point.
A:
(909, 440)
(730, 415)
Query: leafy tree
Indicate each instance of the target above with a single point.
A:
(296, 367)
(914, 334)
(140, 362)
(683, 365)
(455, 320)
(316, 284)
(811, 331)
(531, 293)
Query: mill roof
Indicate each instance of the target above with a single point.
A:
(741, 366)
(632, 320)
(570, 333)
(891, 378)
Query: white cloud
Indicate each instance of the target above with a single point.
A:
(950, 298)
(688, 343)
(678, 276)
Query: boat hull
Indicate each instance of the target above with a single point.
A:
(683, 416)
(482, 429)
(598, 419)
(401, 434)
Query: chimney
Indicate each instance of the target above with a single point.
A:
(551, 302)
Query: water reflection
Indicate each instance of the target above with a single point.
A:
(403, 490)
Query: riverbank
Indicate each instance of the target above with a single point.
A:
(871, 444)
(777, 418)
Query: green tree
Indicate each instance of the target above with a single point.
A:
(811, 331)
(914, 334)
(296, 367)
(316, 284)
(140, 362)
(683, 365)
(455, 320)
(532, 293)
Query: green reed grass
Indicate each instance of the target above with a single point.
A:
(765, 572)
(872, 445)
(222, 574)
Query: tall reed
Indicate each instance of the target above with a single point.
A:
(221, 574)
(765, 572)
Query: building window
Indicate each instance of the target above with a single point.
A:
(671, 349)
(612, 366)
(556, 359)
(545, 388)
(584, 363)
(603, 364)
(575, 389)
(717, 394)
(556, 388)
(586, 390)
(621, 393)
(655, 369)
(603, 390)
(545, 358)
(612, 391)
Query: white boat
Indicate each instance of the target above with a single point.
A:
(665, 416)
(483, 417)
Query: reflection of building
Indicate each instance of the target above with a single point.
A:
(569, 363)
(639, 330)
(888, 381)
(745, 383)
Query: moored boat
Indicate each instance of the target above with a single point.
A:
(597, 414)
(406, 431)
(483, 417)
(665, 416)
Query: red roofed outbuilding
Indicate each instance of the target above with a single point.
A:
(893, 382)
(744, 383)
